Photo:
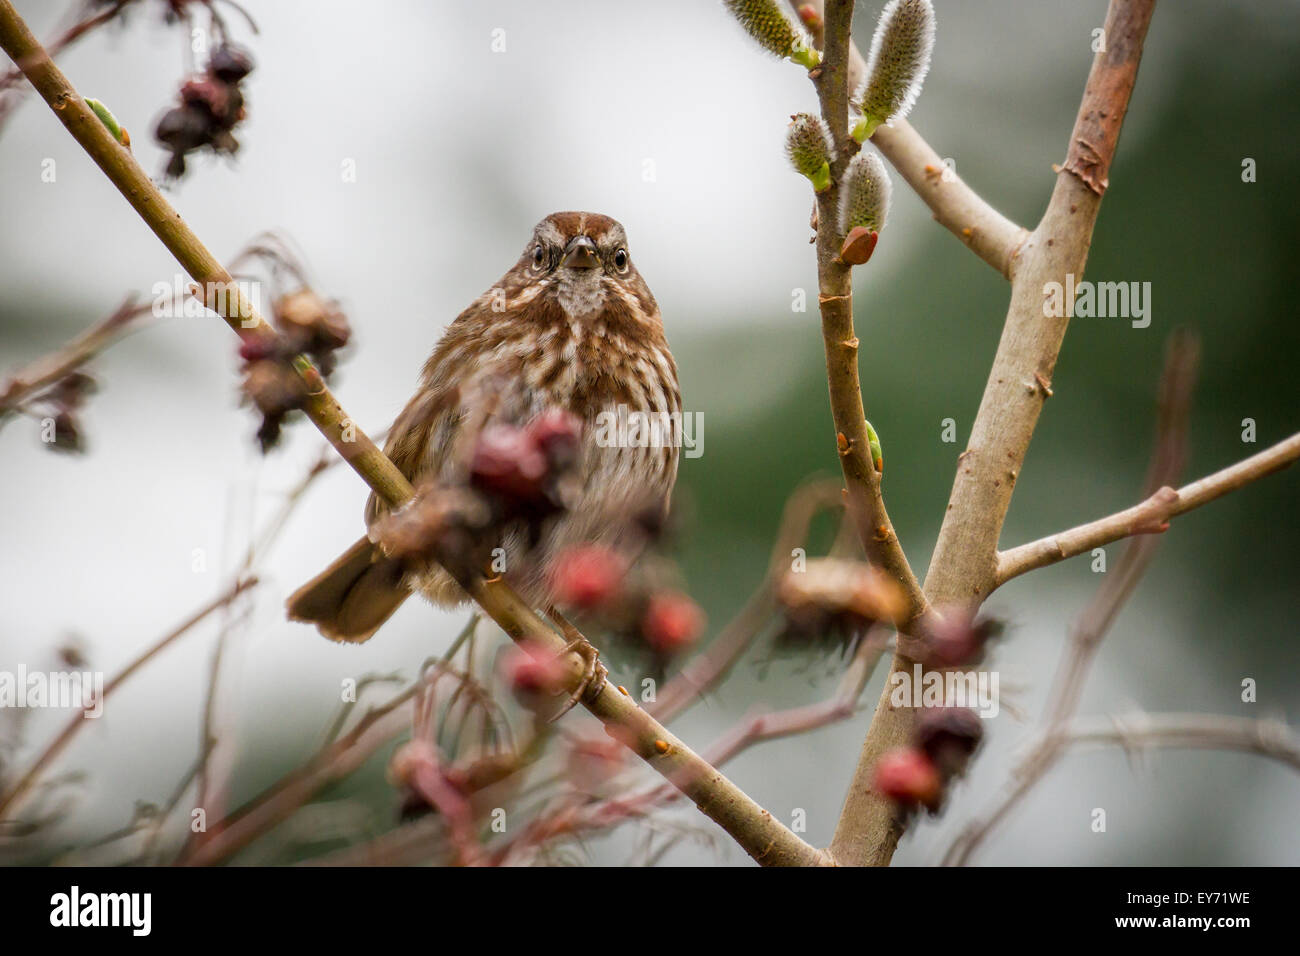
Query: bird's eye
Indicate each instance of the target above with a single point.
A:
(620, 260)
(539, 256)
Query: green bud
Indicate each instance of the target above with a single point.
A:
(110, 121)
(808, 144)
(896, 66)
(767, 23)
(864, 193)
(877, 458)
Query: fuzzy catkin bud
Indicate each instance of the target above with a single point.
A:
(767, 23)
(896, 66)
(808, 144)
(864, 194)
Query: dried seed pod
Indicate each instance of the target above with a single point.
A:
(956, 640)
(949, 736)
(864, 193)
(808, 144)
(897, 65)
(230, 63)
(766, 22)
(508, 463)
(843, 587)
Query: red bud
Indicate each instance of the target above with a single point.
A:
(908, 777)
(672, 622)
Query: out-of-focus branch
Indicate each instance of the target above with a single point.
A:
(1147, 517)
(1136, 732)
(336, 761)
(1268, 738)
(35, 377)
(706, 669)
(958, 208)
(576, 817)
(963, 569)
(1167, 461)
(11, 800)
(762, 836)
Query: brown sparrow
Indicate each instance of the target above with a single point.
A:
(570, 329)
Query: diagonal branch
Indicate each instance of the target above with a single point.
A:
(39, 375)
(766, 839)
(1147, 517)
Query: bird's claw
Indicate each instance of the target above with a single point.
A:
(593, 675)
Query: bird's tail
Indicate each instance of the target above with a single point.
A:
(350, 599)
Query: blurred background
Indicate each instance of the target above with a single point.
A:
(467, 123)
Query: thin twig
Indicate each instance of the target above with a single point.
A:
(863, 497)
(1147, 517)
(45, 371)
(10, 800)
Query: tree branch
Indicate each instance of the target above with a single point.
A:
(1147, 517)
(766, 839)
(863, 497)
(963, 569)
(38, 375)
(1092, 625)
(1268, 738)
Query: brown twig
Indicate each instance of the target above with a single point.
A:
(10, 800)
(45, 371)
(1147, 517)
(863, 497)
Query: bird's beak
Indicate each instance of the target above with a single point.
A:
(580, 254)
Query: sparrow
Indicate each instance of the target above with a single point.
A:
(570, 333)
